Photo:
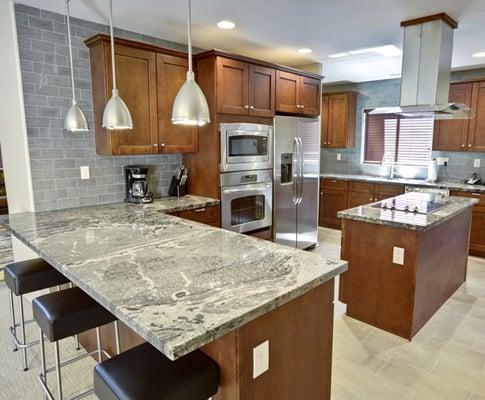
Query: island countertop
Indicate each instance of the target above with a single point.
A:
(374, 214)
(177, 283)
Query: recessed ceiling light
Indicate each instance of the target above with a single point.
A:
(479, 54)
(338, 55)
(304, 50)
(386, 51)
(225, 24)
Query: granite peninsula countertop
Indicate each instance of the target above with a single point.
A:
(410, 220)
(452, 185)
(177, 283)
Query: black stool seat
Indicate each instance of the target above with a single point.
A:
(67, 313)
(143, 373)
(28, 276)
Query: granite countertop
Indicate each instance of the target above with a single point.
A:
(452, 185)
(409, 220)
(177, 283)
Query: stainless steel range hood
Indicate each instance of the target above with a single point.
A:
(426, 70)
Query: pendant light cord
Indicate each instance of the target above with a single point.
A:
(112, 43)
(190, 73)
(70, 50)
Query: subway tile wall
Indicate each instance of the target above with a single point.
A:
(57, 155)
(382, 94)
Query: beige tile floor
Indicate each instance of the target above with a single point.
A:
(446, 360)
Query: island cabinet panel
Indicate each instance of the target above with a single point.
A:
(232, 86)
(148, 78)
(476, 139)
(171, 75)
(338, 119)
(477, 233)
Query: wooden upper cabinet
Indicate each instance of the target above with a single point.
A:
(171, 75)
(148, 78)
(452, 135)
(297, 94)
(261, 91)
(338, 119)
(476, 133)
(232, 86)
(310, 95)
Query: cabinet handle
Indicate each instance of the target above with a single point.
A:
(371, 199)
(155, 144)
(251, 107)
(246, 106)
(333, 181)
(162, 144)
(476, 194)
(200, 210)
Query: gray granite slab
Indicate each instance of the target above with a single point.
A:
(409, 220)
(451, 185)
(177, 283)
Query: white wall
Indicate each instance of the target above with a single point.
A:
(13, 132)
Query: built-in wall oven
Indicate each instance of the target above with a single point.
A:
(246, 147)
(246, 200)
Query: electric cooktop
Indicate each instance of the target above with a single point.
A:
(417, 203)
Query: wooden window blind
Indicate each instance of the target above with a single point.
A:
(392, 137)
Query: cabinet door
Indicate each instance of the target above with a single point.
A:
(287, 92)
(385, 191)
(136, 78)
(452, 135)
(261, 91)
(476, 135)
(232, 87)
(335, 125)
(310, 95)
(359, 198)
(331, 202)
(171, 75)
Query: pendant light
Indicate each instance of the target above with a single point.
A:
(116, 114)
(75, 120)
(190, 106)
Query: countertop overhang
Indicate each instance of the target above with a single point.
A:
(177, 283)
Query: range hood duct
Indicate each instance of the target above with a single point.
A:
(426, 71)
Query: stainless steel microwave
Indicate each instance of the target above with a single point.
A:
(246, 147)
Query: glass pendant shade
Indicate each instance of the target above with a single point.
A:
(75, 120)
(190, 106)
(116, 114)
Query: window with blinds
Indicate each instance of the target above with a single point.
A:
(392, 137)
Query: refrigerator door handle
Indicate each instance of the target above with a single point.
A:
(300, 170)
(295, 173)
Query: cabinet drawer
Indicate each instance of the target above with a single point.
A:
(389, 190)
(205, 215)
(361, 187)
(334, 184)
(479, 196)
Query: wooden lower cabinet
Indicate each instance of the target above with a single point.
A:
(331, 202)
(205, 215)
(356, 199)
(477, 232)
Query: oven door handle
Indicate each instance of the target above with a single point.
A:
(252, 188)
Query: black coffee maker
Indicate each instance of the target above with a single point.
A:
(137, 189)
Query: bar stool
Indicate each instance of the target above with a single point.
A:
(63, 314)
(143, 373)
(25, 277)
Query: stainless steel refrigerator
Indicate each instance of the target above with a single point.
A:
(296, 180)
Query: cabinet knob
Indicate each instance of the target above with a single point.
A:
(302, 106)
(155, 144)
(462, 145)
(162, 144)
(246, 106)
(470, 145)
(251, 107)
(329, 143)
(371, 199)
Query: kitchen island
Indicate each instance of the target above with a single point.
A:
(182, 286)
(407, 255)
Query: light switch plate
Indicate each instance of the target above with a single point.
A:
(339, 156)
(260, 359)
(85, 172)
(398, 255)
(443, 161)
(476, 163)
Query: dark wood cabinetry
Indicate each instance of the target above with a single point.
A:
(297, 94)
(338, 119)
(148, 79)
(205, 215)
(262, 91)
(463, 135)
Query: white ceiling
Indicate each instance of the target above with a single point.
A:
(273, 30)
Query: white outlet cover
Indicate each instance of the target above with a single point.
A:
(85, 172)
(398, 255)
(442, 160)
(260, 359)
(476, 163)
(339, 156)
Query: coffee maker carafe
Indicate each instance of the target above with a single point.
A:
(137, 188)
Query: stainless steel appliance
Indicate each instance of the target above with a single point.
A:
(296, 181)
(246, 200)
(415, 202)
(246, 147)
(136, 184)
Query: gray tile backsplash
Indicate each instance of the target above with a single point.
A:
(386, 93)
(57, 155)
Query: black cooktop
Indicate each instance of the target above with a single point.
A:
(417, 203)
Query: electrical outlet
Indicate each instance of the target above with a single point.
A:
(443, 161)
(260, 359)
(476, 163)
(339, 156)
(398, 255)
(85, 172)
